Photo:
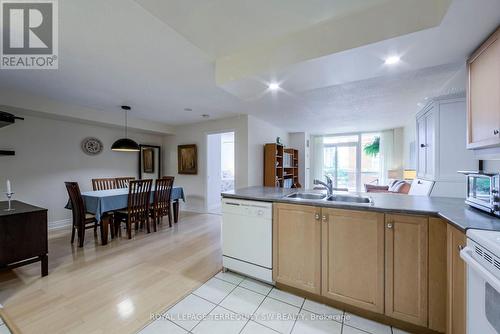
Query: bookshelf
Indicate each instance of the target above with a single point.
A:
(281, 166)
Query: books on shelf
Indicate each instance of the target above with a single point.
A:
(287, 183)
(288, 160)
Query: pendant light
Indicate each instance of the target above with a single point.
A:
(125, 144)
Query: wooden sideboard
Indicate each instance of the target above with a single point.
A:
(23, 236)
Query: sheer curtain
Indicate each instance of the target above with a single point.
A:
(386, 155)
(317, 158)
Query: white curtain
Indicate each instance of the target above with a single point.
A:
(386, 155)
(317, 158)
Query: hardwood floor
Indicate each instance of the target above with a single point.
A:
(112, 288)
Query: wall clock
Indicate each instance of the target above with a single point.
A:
(92, 146)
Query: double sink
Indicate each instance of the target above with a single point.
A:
(332, 198)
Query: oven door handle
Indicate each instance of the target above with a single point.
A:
(465, 254)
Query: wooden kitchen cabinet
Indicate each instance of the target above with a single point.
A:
(406, 268)
(353, 258)
(437, 274)
(483, 95)
(456, 278)
(297, 246)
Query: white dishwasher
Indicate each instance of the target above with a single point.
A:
(247, 238)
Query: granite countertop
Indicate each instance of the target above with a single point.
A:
(454, 210)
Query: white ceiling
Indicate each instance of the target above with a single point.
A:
(220, 26)
(115, 51)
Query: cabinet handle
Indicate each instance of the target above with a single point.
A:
(389, 225)
(316, 216)
(496, 132)
(423, 145)
(323, 218)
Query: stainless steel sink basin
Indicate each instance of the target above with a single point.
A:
(313, 196)
(349, 199)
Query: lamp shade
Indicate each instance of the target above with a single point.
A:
(125, 145)
(410, 174)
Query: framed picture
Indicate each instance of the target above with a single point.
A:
(187, 159)
(149, 162)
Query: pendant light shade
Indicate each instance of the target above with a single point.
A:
(125, 144)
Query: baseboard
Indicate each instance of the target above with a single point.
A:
(59, 224)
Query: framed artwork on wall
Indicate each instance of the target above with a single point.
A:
(149, 162)
(187, 159)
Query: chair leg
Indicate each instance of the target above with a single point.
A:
(169, 218)
(73, 234)
(129, 229)
(155, 222)
(81, 236)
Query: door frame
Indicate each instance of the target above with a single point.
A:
(205, 172)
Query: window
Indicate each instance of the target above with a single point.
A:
(370, 158)
(347, 161)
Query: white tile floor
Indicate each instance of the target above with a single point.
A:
(230, 303)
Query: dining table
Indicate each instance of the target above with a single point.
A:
(103, 202)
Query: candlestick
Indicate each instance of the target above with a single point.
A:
(9, 197)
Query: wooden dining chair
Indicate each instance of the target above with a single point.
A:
(103, 184)
(137, 212)
(81, 219)
(122, 182)
(162, 201)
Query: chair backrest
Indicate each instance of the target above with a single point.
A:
(77, 203)
(163, 193)
(139, 196)
(421, 187)
(103, 184)
(122, 182)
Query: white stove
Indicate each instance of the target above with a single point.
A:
(482, 256)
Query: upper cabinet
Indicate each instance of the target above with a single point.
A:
(483, 95)
(441, 128)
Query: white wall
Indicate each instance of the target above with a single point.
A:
(250, 136)
(48, 153)
(410, 138)
(398, 153)
(214, 171)
(195, 185)
(260, 133)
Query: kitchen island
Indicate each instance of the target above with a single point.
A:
(393, 258)
(453, 210)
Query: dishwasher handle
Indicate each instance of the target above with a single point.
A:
(465, 254)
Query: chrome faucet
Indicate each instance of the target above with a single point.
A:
(328, 185)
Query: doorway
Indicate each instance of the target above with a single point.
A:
(220, 168)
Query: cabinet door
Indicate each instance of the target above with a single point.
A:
(456, 307)
(406, 268)
(353, 258)
(437, 274)
(484, 95)
(297, 246)
(421, 152)
(430, 143)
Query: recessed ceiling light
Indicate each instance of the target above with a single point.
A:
(273, 86)
(188, 109)
(205, 116)
(392, 60)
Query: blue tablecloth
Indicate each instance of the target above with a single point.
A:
(101, 201)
